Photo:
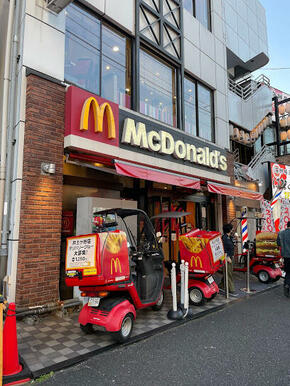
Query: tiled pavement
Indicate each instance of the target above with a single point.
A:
(56, 342)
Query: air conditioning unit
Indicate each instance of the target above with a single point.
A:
(57, 6)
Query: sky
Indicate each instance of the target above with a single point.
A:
(277, 13)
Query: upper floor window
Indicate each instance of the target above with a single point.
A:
(199, 9)
(97, 58)
(157, 89)
(198, 108)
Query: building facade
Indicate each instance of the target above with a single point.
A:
(127, 106)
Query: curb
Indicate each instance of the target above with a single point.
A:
(145, 335)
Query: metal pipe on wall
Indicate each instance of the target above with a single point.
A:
(9, 146)
(4, 110)
(15, 196)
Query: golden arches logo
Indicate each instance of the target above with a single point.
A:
(98, 112)
(196, 260)
(116, 263)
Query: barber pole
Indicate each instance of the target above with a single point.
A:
(245, 235)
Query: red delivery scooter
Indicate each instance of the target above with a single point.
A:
(119, 268)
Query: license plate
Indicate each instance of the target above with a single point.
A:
(277, 266)
(210, 280)
(94, 302)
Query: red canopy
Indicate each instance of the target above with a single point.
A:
(146, 173)
(233, 191)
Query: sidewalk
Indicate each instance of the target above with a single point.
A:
(54, 343)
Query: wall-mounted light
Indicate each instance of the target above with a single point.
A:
(47, 168)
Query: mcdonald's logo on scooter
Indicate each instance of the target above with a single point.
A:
(195, 260)
(116, 264)
(99, 112)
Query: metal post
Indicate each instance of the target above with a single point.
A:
(277, 125)
(248, 271)
(226, 278)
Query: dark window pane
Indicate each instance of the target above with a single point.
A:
(82, 64)
(157, 89)
(190, 106)
(205, 118)
(83, 25)
(114, 46)
(188, 5)
(116, 67)
(202, 12)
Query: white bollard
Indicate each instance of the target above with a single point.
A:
(173, 287)
(182, 272)
(174, 313)
(186, 287)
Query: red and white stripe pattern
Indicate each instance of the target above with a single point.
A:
(245, 235)
(274, 202)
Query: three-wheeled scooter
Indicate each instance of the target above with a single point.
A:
(264, 258)
(204, 252)
(119, 268)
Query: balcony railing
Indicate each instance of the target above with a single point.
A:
(246, 87)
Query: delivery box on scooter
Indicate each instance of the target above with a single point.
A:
(97, 259)
(202, 250)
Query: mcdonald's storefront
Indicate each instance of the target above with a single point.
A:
(104, 156)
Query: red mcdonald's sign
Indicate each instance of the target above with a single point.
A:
(92, 117)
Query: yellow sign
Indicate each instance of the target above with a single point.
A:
(99, 112)
(90, 271)
(196, 260)
(116, 264)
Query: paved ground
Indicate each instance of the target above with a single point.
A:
(246, 343)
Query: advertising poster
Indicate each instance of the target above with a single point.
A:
(285, 213)
(268, 221)
(280, 173)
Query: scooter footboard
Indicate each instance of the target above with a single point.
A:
(110, 318)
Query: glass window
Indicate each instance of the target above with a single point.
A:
(98, 64)
(190, 106)
(157, 89)
(199, 9)
(82, 49)
(202, 12)
(198, 109)
(205, 109)
(116, 81)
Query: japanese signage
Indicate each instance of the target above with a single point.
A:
(285, 213)
(280, 174)
(268, 222)
(81, 253)
(217, 249)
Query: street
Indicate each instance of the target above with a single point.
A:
(247, 343)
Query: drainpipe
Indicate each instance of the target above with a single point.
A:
(4, 111)
(12, 100)
(15, 196)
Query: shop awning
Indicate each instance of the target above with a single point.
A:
(146, 173)
(233, 191)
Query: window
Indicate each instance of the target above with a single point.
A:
(198, 106)
(157, 89)
(97, 58)
(199, 9)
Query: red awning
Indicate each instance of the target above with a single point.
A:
(146, 173)
(233, 191)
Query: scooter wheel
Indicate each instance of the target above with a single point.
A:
(159, 303)
(196, 296)
(87, 328)
(263, 277)
(126, 329)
